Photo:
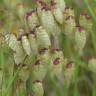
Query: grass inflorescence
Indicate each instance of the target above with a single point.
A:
(47, 48)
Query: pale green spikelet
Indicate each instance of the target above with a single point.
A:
(58, 53)
(16, 46)
(29, 60)
(68, 11)
(86, 21)
(32, 19)
(42, 37)
(19, 56)
(33, 43)
(39, 8)
(37, 88)
(61, 4)
(92, 65)
(58, 14)
(69, 28)
(80, 39)
(45, 56)
(26, 45)
(83, 20)
(23, 75)
(25, 42)
(69, 73)
(12, 42)
(57, 63)
(38, 71)
(48, 22)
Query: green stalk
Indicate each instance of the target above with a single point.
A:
(94, 0)
(5, 73)
(75, 90)
(7, 68)
(1, 69)
(65, 89)
(11, 82)
(93, 40)
(94, 86)
(54, 85)
(94, 18)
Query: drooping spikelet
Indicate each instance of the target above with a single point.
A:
(58, 14)
(23, 75)
(48, 22)
(33, 43)
(80, 38)
(26, 45)
(86, 21)
(69, 28)
(12, 42)
(83, 20)
(92, 65)
(19, 56)
(25, 42)
(32, 19)
(38, 71)
(16, 46)
(37, 88)
(46, 17)
(29, 60)
(40, 5)
(69, 73)
(68, 11)
(60, 4)
(57, 63)
(42, 37)
(45, 56)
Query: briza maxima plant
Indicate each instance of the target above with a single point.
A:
(40, 45)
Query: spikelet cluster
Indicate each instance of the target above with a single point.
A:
(36, 48)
